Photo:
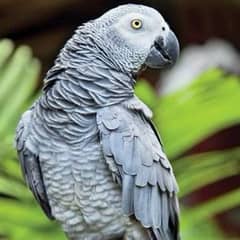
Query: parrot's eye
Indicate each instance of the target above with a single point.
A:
(136, 24)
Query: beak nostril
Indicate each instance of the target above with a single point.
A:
(158, 45)
(159, 42)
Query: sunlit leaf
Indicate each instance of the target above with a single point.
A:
(197, 111)
(200, 170)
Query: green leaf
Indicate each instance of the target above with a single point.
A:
(13, 72)
(192, 171)
(11, 110)
(212, 207)
(6, 49)
(206, 230)
(198, 111)
(146, 93)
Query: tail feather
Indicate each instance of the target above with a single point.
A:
(158, 234)
(172, 231)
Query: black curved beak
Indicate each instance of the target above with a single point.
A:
(164, 52)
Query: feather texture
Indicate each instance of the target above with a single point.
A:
(30, 165)
(148, 185)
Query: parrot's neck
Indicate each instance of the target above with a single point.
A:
(96, 86)
(82, 74)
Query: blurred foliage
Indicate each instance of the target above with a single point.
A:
(183, 118)
(20, 217)
(198, 110)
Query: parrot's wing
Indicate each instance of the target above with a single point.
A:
(30, 165)
(134, 154)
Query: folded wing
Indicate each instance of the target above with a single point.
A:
(135, 156)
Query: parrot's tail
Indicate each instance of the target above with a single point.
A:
(172, 233)
(158, 234)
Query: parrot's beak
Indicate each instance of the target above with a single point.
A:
(164, 52)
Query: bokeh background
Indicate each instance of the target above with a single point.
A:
(196, 107)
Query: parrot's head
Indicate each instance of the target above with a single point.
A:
(136, 36)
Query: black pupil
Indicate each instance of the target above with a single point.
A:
(137, 23)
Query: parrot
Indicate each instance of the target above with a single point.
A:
(87, 146)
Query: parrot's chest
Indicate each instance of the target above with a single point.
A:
(80, 180)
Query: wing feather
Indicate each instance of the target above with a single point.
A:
(30, 165)
(135, 152)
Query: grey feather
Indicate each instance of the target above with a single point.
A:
(30, 166)
(153, 184)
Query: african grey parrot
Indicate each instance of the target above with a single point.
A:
(88, 149)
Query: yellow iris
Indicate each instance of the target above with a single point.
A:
(136, 24)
